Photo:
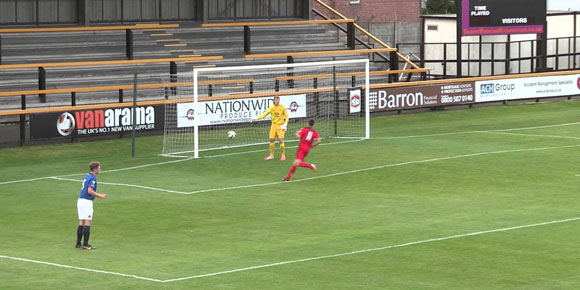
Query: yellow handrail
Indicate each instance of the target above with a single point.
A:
(110, 62)
(89, 28)
(402, 57)
(275, 23)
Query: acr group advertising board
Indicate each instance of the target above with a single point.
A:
(236, 110)
(402, 98)
(527, 88)
(95, 122)
(488, 17)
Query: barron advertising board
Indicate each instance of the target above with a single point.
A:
(402, 98)
(236, 110)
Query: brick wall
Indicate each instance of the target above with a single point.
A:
(377, 11)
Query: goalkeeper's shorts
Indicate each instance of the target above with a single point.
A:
(276, 132)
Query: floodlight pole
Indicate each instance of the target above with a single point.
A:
(133, 114)
(459, 31)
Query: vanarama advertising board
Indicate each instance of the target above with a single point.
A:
(527, 88)
(236, 110)
(95, 122)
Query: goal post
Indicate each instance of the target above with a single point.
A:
(211, 108)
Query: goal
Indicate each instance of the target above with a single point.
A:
(203, 107)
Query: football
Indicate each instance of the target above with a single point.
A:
(231, 134)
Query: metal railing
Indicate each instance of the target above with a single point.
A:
(496, 58)
(129, 47)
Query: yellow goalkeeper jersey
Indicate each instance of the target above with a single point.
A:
(279, 114)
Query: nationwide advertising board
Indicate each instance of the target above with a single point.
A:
(527, 88)
(488, 17)
(402, 98)
(236, 110)
(95, 122)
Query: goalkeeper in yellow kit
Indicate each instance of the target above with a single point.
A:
(280, 119)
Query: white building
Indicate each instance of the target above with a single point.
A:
(440, 29)
(565, 5)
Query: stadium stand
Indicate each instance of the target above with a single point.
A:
(30, 70)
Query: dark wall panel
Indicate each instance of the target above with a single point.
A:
(7, 12)
(26, 11)
(116, 11)
(48, 11)
(68, 11)
(149, 10)
(132, 10)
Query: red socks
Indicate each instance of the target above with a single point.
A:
(293, 169)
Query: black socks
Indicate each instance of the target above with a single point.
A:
(79, 234)
(87, 234)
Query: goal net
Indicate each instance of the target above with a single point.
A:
(210, 108)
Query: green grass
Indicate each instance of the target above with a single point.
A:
(495, 180)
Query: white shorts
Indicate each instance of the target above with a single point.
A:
(85, 209)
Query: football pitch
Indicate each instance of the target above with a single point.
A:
(483, 198)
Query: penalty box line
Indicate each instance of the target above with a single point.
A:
(125, 185)
(372, 249)
(533, 135)
(382, 167)
(324, 257)
(485, 131)
(159, 163)
(78, 268)
(323, 176)
(225, 155)
(163, 189)
(328, 175)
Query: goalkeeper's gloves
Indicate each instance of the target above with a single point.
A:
(284, 127)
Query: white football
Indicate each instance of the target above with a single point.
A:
(231, 134)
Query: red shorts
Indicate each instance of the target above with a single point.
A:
(301, 154)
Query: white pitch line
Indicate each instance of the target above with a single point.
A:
(295, 261)
(126, 185)
(532, 135)
(382, 167)
(537, 127)
(104, 171)
(477, 131)
(426, 135)
(160, 163)
(23, 180)
(79, 268)
(147, 165)
(370, 250)
(287, 147)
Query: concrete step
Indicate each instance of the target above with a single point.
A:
(239, 41)
(80, 45)
(68, 39)
(82, 57)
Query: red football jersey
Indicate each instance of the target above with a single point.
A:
(307, 136)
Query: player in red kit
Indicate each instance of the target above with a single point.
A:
(309, 139)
